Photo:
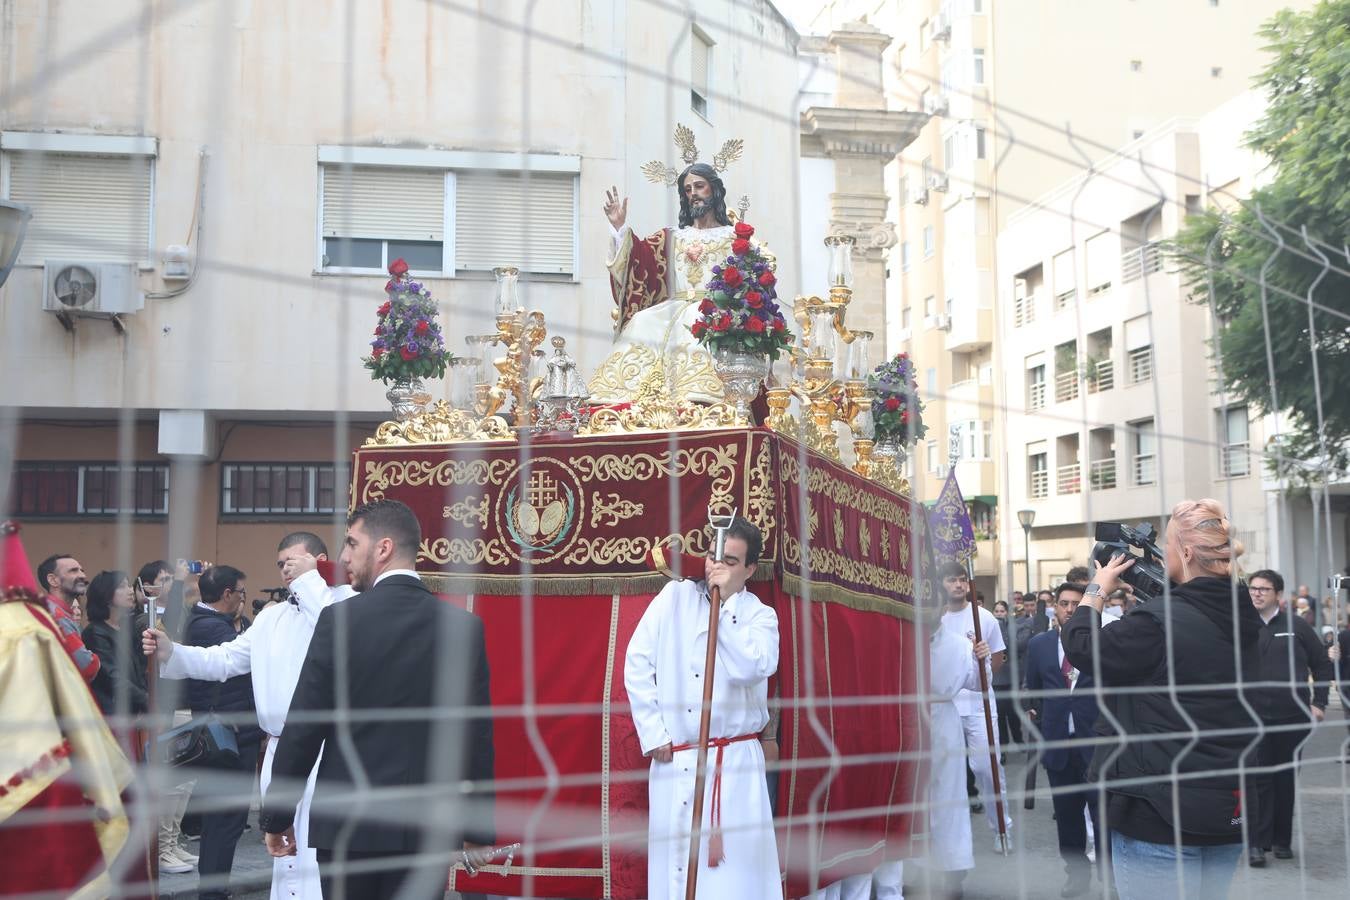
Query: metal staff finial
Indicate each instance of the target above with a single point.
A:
(720, 524)
(953, 445)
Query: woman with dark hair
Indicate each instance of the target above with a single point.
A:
(112, 637)
(1173, 799)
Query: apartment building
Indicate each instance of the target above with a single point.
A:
(1020, 97)
(294, 152)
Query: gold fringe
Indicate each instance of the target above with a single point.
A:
(830, 593)
(557, 585)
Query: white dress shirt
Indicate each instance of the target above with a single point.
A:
(392, 572)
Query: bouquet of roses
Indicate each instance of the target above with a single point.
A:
(739, 309)
(896, 409)
(408, 343)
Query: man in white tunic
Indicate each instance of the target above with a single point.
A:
(273, 649)
(959, 616)
(663, 673)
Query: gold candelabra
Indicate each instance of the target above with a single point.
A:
(520, 333)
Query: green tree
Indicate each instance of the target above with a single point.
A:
(1265, 344)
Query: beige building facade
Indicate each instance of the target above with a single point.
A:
(236, 177)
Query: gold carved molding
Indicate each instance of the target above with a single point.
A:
(440, 425)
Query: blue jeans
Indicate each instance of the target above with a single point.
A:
(1146, 871)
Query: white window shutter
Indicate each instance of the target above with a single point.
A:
(1063, 272)
(384, 203)
(84, 206)
(1101, 257)
(698, 76)
(511, 219)
(1137, 333)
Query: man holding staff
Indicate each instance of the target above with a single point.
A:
(664, 676)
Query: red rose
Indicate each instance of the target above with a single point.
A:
(744, 229)
(779, 324)
(754, 299)
(754, 325)
(892, 403)
(740, 246)
(423, 326)
(406, 353)
(723, 322)
(398, 267)
(767, 279)
(904, 417)
(732, 277)
(377, 352)
(384, 308)
(706, 306)
(698, 328)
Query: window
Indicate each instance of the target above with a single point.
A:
(279, 489)
(949, 78)
(1099, 255)
(1038, 474)
(1145, 449)
(930, 382)
(904, 317)
(700, 71)
(923, 35)
(1234, 459)
(949, 151)
(929, 306)
(59, 490)
(977, 6)
(976, 439)
(904, 256)
(447, 211)
(1036, 387)
(977, 66)
(929, 241)
(91, 195)
(1066, 286)
(933, 458)
(1136, 65)
(1216, 71)
(1138, 349)
(980, 152)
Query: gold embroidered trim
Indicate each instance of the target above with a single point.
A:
(830, 593)
(605, 856)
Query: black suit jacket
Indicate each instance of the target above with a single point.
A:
(1043, 673)
(394, 777)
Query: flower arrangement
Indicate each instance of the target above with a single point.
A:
(408, 342)
(897, 411)
(739, 309)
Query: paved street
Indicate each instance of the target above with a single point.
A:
(1034, 871)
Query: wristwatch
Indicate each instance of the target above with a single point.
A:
(1093, 589)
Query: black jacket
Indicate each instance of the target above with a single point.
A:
(393, 648)
(1043, 673)
(1210, 669)
(1289, 649)
(206, 628)
(120, 662)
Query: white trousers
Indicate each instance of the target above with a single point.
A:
(889, 879)
(294, 877)
(977, 746)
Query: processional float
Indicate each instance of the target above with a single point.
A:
(556, 515)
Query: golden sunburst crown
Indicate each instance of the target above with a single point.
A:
(658, 172)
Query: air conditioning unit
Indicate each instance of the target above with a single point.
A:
(99, 289)
(917, 195)
(942, 322)
(937, 181)
(940, 27)
(935, 104)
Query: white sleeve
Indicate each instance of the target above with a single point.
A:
(639, 676)
(218, 663)
(748, 650)
(313, 594)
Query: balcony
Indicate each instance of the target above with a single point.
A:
(1066, 387)
(1142, 260)
(1102, 474)
(1068, 479)
(1145, 469)
(1065, 299)
(1235, 460)
(1101, 377)
(1036, 396)
(1024, 310)
(1141, 365)
(1040, 484)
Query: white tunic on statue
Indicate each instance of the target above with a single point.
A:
(273, 649)
(663, 673)
(952, 669)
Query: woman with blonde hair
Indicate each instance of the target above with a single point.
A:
(1173, 797)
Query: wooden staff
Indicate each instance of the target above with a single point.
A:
(151, 732)
(988, 717)
(720, 524)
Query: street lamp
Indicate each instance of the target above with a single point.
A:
(13, 224)
(1026, 517)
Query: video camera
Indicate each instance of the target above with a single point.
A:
(1147, 576)
(274, 595)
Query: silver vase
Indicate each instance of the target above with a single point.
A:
(408, 397)
(742, 373)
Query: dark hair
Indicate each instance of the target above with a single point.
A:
(1275, 579)
(1078, 575)
(1002, 603)
(743, 528)
(313, 544)
(216, 580)
(718, 198)
(98, 601)
(1072, 586)
(149, 572)
(952, 568)
(390, 519)
(1044, 591)
(48, 567)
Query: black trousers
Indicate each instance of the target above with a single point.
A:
(221, 827)
(1072, 794)
(392, 874)
(1009, 722)
(1271, 793)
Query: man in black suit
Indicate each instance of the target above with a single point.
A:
(388, 815)
(1063, 717)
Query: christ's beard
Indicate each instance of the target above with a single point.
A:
(700, 208)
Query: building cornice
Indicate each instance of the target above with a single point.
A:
(878, 133)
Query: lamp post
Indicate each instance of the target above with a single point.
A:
(13, 224)
(1026, 517)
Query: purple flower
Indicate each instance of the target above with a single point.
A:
(411, 345)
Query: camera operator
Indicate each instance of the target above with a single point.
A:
(1183, 637)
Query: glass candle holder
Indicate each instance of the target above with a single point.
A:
(507, 301)
(822, 332)
(859, 361)
(840, 270)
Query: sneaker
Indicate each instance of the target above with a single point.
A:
(1003, 842)
(171, 864)
(1091, 853)
(181, 851)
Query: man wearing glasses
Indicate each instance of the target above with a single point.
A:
(1288, 649)
(217, 620)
